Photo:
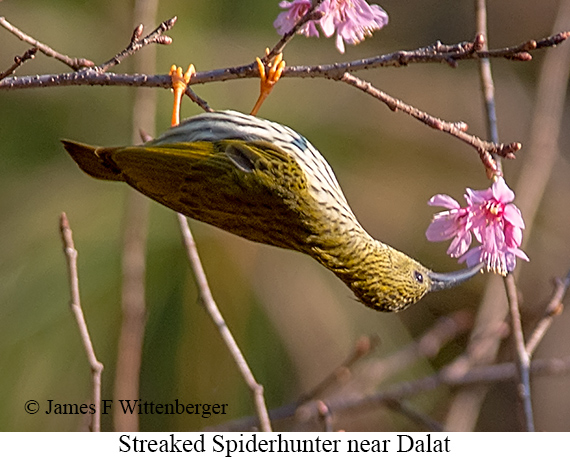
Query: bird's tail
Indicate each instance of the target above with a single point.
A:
(94, 161)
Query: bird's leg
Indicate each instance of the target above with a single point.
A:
(179, 83)
(268, 78)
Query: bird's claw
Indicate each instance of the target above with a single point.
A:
(179, 83)
(269, 75)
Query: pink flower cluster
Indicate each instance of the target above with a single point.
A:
(353, 20)
(494, 221)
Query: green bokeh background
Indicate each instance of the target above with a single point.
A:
(294, 320)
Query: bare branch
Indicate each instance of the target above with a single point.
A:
(435, 53)
(218, 320)
(364, 346)
(542, 152)
(133, 307)
(325, 415)
(477, 376)
(198, 100)
(352, 381)
(522, 356)
(553, 309)
(19, 61)
(486, 78)
(135, 234)
(75, 63)
(156, 36)
(96, 366)
(522, 51)
(402, 407)
(431, 54)
(458, 130)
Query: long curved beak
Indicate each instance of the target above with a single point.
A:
(440, 281)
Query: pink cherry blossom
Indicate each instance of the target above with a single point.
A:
(352, 20)
(295, 11)
(490, 216)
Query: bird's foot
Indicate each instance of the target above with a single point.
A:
(179, 83)
(269, 75)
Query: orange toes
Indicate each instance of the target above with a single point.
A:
(269, 75)
(179, 83)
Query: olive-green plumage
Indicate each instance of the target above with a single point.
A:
(264, 182)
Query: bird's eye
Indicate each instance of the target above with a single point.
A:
(419, 277)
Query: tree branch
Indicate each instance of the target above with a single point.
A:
(18, 62)
(553, 309)
(218, 320)
(156, 36)
(135, 228)
(485, 149)
(75, 63)
(438, 52)
(364, 346)
(477, 376)
(432, 54)
(522, 356)
(96, 366)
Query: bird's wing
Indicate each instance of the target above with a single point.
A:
(228, 167)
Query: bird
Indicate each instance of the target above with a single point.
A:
(267, 183)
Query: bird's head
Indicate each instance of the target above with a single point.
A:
(398, 281)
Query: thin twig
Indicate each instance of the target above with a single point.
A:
(487, 83)
(347, 381)
(214, 313)
(522, 356)
(553, 309)
(75, 304)
(431, 54)
(310, 15)
(75, 63)
(428, 345)
(477, 376)
(18, 61)
(465, 407)
(198, 100)
(133, 307)
(404, 408)
(485, 340)
(325, 415)
(547, 121)
(156, 36)
(364, 346)
(484, 148)
(135, 228)
(434, 53)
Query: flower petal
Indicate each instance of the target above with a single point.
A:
(477, 197)
(353, 20)
(473, 256)
(287, 19)
(443, 200)
(340, 43)
(442, 228)
(501, 191)
(489, 216)
(513, 236)
(328, 21)
(459, 245)
(520, 254)
(513, 215)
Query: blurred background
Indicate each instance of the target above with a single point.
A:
(294, 321)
